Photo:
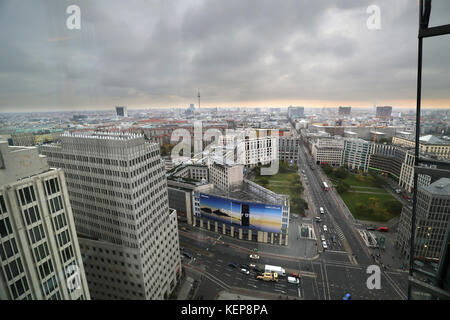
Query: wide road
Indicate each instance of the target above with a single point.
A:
(334, 218)
(335, 271)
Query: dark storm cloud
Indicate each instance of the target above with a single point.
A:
(157, 53)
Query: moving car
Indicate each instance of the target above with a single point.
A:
(244, 266)
(246, 271)
(254, 256)
(322, 237)
(347, 296)
(258, 269)
(324, 245)
(318, 219)
(325, 228)
(293, 280)
(322, 211)
(252, 265)
(268, 276)
(233, 265)
(371, 228)
(295, 275)
(383, 229)
(187, 255)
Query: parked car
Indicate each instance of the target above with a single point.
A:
(371, 228)
(322, 237)
(254, 256)
(383, 229)
(187, 255)
(296, 275)
(318, 219)
(325, 228)
(244, 266)
(347, 296)
(251, 265)
(324, 245)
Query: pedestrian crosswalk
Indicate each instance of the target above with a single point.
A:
(339, 232)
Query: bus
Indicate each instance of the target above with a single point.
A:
(325, 186)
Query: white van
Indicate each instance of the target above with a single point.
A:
(293, 280)
(321, 210)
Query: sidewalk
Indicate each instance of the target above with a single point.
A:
(186, 288)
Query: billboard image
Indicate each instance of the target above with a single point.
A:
(255, 216)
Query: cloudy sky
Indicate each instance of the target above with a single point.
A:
(157, 53)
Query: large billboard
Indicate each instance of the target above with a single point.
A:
(255, 216)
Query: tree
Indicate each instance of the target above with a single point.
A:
(341, 173)
(342, 187)
(264, 181)
(393, 206)
(327, 169)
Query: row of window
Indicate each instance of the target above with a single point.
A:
(5, 227)
(8, 249)
(26, 195)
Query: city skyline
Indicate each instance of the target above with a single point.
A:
(159, 54)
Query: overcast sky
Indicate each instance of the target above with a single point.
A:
(157, 53)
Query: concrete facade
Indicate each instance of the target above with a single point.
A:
(118, 190)
(39, 253)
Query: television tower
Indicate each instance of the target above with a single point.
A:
(198, 99)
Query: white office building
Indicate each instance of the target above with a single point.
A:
(128, 235)
(356, 154)
(39, 253)
(328, 151)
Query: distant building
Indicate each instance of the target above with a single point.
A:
(39, 253)
(344, 111)
(428, 145)
(79, 117)
(296, 112)
(190, 110)
(122, 111)
(383, 112)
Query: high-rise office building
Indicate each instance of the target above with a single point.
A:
(344, 111)
(39, 253)
(121, 111)
(296, 112)
(384, 112)
(128, 235)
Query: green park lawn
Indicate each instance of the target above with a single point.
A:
(283, 183)
(369, 201)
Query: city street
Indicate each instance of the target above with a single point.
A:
(327, 274)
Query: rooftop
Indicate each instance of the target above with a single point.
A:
(439, 187)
